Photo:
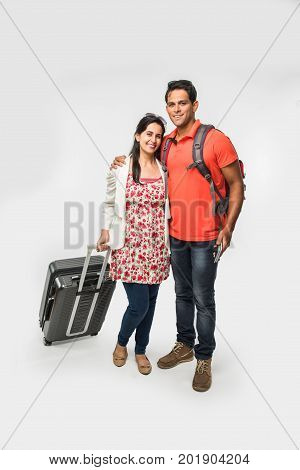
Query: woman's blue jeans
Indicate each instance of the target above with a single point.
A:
(138, 316)
(195, 272)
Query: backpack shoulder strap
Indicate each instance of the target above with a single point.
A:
(198, 162)
(165, 153)
(164, 157)
(198, 145)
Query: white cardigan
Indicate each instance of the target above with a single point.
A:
(113, 210)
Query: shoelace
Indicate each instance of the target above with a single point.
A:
(178, 345)
(202, 366)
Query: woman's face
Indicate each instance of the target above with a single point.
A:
(151, 138)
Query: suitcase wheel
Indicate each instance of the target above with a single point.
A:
(94, 334)
(46, 342)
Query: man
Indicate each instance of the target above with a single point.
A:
(195, 230)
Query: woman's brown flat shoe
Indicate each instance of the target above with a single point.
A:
(119, 359)
(144, 369)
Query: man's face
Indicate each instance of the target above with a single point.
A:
(180, 109)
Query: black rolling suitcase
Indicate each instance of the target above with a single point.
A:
(76, 297)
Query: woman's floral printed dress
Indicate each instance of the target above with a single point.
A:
(144, 258)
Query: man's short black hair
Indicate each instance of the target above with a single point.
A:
(182, 85)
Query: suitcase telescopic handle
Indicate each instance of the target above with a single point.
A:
(90, 249)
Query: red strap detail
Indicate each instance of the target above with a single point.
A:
(150, 180)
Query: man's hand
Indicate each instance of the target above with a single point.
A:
(118, 161)
(224, 238)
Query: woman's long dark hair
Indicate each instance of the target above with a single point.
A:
(135, 151)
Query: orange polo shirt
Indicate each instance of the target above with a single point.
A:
(189, 193)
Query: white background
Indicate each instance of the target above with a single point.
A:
(111, 60)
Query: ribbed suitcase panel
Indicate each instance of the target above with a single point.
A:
(56, 327)
(84, 305)
(106, 292)
(100, 310)
(71, 266)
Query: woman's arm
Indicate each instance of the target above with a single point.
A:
(108, 206)
(107, 211)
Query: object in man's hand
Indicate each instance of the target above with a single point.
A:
(218, 252)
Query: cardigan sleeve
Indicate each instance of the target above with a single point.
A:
(108, 206)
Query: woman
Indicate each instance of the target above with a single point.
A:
(135, 215)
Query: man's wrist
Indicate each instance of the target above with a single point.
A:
(229, 227)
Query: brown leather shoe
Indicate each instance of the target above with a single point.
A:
(180, 353)
(202, 377)
(143, 363)
(120, 357)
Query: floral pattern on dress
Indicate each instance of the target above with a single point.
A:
(144, 258)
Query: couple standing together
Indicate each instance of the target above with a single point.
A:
(158, 213)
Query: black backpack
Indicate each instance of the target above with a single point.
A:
(220, 207)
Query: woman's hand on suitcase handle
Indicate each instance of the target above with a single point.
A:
(118, 161)
(103, 239)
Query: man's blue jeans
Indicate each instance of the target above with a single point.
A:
(138, 315)
(195, 272)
